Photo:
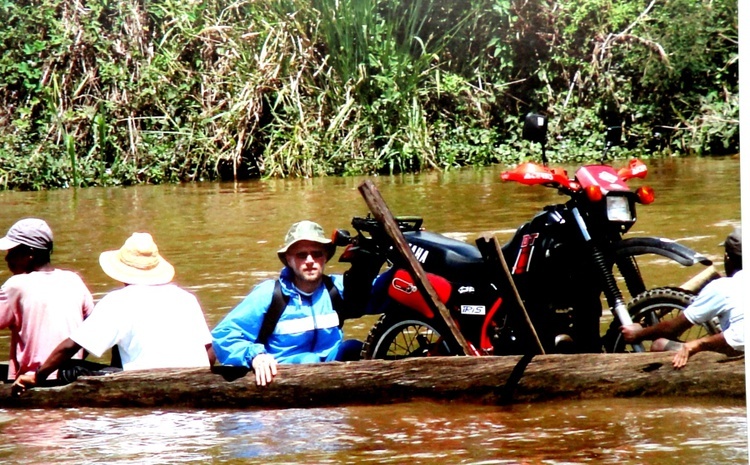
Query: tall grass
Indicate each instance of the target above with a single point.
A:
(125, 91)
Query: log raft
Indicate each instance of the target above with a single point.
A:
(483, 380)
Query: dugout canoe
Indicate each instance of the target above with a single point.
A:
(485, 380)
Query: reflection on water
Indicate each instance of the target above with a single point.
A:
(222, 240)
(618, 431)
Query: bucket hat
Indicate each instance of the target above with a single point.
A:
(137, 262)
(31, 232)
(306, 231)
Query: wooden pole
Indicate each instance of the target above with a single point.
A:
(490, 248)
(381, 213)
(699, 281)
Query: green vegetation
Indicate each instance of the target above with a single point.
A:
(127, 91)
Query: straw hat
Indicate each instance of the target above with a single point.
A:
(306, 231)
(137, 262)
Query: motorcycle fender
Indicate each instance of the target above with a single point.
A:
(660, 246)
(403, 290)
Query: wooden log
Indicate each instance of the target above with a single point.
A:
(699, 281)
(380, 211)
(459, 379)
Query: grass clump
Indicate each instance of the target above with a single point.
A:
(120, 92)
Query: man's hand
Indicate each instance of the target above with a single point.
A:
(264, 366)
(631, 333)
(22, 383)
(680, 359)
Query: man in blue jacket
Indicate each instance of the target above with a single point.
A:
(307, 329)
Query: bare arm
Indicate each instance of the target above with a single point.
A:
(211, 354)
(671, 329)
(64, 351)
(713, 343)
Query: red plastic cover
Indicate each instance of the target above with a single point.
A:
(531, 174)
(601, 175)
(635, 169)
(403, 290)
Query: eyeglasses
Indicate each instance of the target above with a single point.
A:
(316, 254)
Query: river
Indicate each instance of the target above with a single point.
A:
(222, 239)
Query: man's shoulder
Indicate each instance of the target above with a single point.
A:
(55, 275)
(260, 294)
(725, 285)
(162, 291)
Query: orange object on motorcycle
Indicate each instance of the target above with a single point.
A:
(404, 291)
(635, 169)
(646, 194)
(594, 193)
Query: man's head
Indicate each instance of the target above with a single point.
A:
(306, 250)
(733, 252)
(29, 245)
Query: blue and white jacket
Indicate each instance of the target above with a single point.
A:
(307, 332)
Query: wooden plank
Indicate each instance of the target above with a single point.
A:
(490, 249)
(373, 382)
(381, 213)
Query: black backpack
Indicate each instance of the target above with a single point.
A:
(279, 302)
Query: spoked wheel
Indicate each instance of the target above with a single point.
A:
(651, 307)
(397, 336)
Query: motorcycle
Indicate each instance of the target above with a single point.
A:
(561, 261)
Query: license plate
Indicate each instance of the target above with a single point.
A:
(473, 310)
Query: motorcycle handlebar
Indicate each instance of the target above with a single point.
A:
(371, 225)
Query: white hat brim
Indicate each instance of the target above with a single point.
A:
(7, 244)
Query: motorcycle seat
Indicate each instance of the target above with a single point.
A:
(450, 258)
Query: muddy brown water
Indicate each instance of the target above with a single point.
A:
(222, 239)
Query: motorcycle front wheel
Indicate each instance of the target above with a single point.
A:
(649, 308)
(404, 334)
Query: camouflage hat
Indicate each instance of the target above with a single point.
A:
(306, 231)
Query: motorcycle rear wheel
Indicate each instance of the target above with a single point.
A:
(651, 307)
(404, 334)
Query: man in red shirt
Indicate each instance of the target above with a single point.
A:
(40, 304)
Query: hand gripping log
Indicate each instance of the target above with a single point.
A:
(381, 213)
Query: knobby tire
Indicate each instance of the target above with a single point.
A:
(650, 307)
(402, 334)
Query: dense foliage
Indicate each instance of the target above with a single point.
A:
(135, 91)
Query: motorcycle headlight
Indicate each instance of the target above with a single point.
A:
(618, 209)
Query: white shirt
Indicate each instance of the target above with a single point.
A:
(154, 327)
(722, 298)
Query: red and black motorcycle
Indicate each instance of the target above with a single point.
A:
(561, 262)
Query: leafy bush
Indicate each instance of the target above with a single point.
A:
(123, 92)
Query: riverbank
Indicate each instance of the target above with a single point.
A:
(123, 93)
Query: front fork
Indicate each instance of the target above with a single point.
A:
(611, 291)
